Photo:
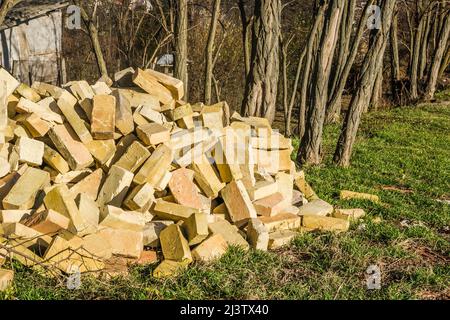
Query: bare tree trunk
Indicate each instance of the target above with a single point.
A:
(262, 82)
(307, 70)
(210, 51)
(181, 48)
(345, 35)
(370, 70)
(334, 102)
(437, 60)
(423, 60)
(445, 63)
(311, 143)
(288, 104)
(93, 34)
(377, 92)
(246, 31)
(414, 68)
(395, 60)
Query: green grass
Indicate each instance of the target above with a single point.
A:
(407, 235)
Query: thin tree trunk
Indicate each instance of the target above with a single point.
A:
(395, 60)
(414, 69)
(307, 70)
(445, 63)
(311, 143)
(424, 48)
(334, 102)
(181, 48)
(210, 51)
(370, 70)
(345, 36)
(437, 60)
(288, 104)
(246, 30)
(262, 83)
(93, 34)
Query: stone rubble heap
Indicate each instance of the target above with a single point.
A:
(127, 169)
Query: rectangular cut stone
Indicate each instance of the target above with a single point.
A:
(153, 134)
(164, 182)
(103, 117)
(76, 153)
(238, 202)
(271, 205)
(229, 232)
(134, 157)
(30, 151)
(69, 258)
(349, 214)
(175, 86)
(228, 156)
(140, 198)
(170, 268)
(302, 185)
(282, 221)
(137, 98)
(27, 92)
(258, 235)
(121, 147)
(174, 245)
(36, 126)
(150, 84)
(61, 200)
(124, 116)
(124, 242)
(152, 231)
(115, 187)
(206, 177)
(67, 103)
(196, 227)
(281, 238)
(349, 195)
(116, 218)
(13, 216)
(212, 248)
(184, 190)
(151, 115)
(272, 142)
(316, 208)
(285, 186)
(182, 111)
(27, 106)
(153, 170)
(124, 78)
(11, 82)
(8, 181)
(172, 211)
(89, 211)
(50, 222)
(273, 161)
(325, 223)
(212, 117)
(102, 150)
(23, 194)
(101, 88)
(262, 189)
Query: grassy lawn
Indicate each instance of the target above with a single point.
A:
(401, 155)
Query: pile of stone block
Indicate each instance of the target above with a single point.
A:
(126, 168)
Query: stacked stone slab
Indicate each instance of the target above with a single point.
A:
(90, 173)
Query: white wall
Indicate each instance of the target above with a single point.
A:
(33, 47)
